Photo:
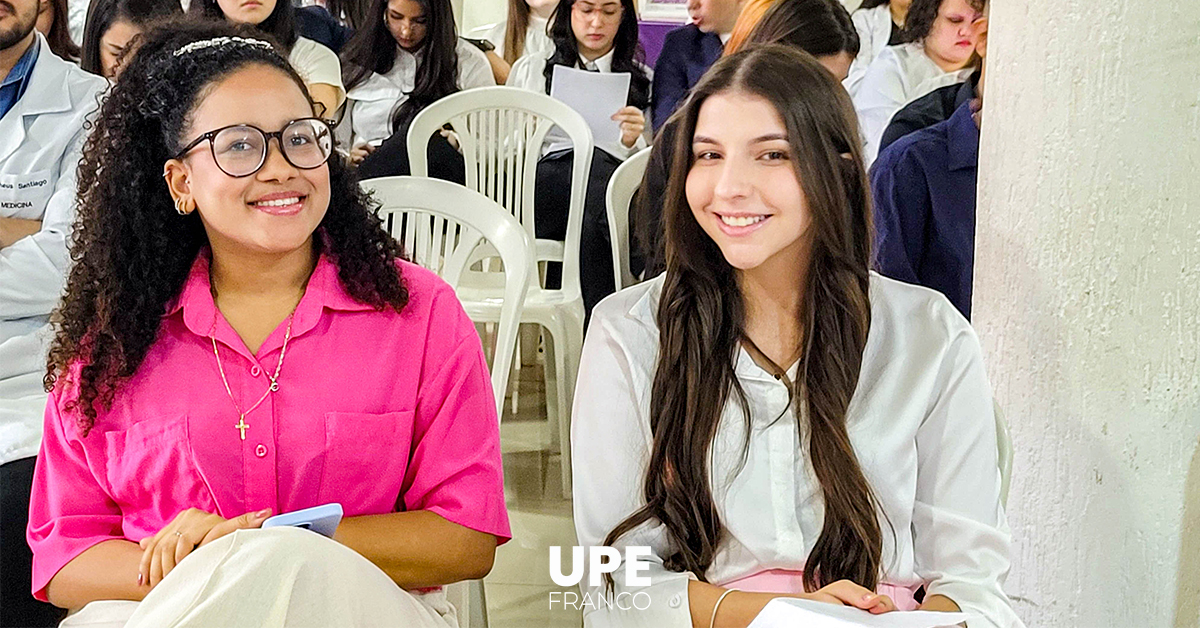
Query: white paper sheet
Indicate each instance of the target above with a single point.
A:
(789, 613)
(596, 96)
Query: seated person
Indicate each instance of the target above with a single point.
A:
(44, 103)
(769, 417)
(240, 338)
(941, 53)
(317, 64)
(406, 57)
(314, 22)
(822, 28)
(928, 110)
(114, 28)
(880, 23)
(522, 32)
(52, 22)
(688, 51)
(600, 36)
(923, 186)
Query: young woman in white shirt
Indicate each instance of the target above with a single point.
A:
(316, 64)
(599, 36)
(768, 416)
(941, 52)
(880, 23)
(522, 33)
(404, 58)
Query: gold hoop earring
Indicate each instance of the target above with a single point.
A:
(179, 208)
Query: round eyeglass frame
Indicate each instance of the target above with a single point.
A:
(278, 135)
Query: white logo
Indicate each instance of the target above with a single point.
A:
(601, 560)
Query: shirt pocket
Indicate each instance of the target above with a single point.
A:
(152, 473)
(25, 195)
(366, 457)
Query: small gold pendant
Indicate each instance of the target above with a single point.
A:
(242, 426)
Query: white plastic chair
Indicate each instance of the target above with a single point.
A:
(441, 224)
(624, 182)
(1005, 447)
(500, 132)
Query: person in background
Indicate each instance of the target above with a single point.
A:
(317, 64)
(599, 36)
(924, 191)
(523, 32)
(752, 13)
(52, 22)
(114, 28)
(822, 28)
(350, 13)
(942, 52)
(44, 103)
(688, 51)
(769, 417)
(880, 23)
(239, 338)
(407, 56)
(316, 23)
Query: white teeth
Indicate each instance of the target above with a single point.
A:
(280, 202)
(742, 221)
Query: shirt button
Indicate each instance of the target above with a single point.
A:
(675, 601)
(261, 450)
(255, 371)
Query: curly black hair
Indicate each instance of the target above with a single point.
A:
(132, 252)
(923, 13)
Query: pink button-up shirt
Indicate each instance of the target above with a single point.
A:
(377, 410)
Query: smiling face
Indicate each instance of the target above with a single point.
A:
(275, 210)
(743, 188)
(114, 43)
(407, 22)
(951, 41)
(246, 11)
(595, 24)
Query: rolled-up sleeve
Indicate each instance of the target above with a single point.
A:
(610, 447)
(455, 468)
(961, 538)
(70, 510)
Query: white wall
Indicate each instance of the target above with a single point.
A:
(1087, 300)
(479, 12)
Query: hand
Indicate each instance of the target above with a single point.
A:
(976, 106)
(360, 152)
(632, 124)
(847, 593)
(451, 138)
(190, 529)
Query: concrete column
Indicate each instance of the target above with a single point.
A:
(1087, 301)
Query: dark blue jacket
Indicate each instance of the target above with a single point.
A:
(924, 193)
(687, 53)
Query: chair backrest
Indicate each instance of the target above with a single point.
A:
(621, 187)
(500, 133)
(1005, 447)
(440, 225)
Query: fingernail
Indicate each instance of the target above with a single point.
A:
(262, 513)
(141, 579)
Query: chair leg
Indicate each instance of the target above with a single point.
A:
(572, 347)
(478, 606)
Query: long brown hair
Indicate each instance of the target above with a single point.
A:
(514, 34)
(701, 316)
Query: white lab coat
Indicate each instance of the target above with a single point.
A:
(874, 28)
(40, 142)
(898, 76)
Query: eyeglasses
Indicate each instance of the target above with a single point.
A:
(240, 150)
(607, 13)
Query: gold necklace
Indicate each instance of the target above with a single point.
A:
(274, 387)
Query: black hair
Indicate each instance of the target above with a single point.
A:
(132, 252)
(351, 13)
(373, 49)
(818, 27)
(102, 14)
(280, 24)
(59, 36)
(627, 51)
(871, 4)
(923, 13)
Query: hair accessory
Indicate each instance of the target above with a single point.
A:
(221, 41)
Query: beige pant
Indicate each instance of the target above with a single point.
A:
(274, 578)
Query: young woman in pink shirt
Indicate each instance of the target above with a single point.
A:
(239, 339)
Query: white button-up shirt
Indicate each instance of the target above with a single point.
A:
(921, 423)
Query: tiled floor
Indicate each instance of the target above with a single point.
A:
(518, 588)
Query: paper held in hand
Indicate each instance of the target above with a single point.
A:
(596, 96)
(789, 612)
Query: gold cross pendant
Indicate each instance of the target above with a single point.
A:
(242, 426)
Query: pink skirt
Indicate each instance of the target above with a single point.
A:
(789, 581)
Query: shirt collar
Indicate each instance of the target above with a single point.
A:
(14, 85)
(601, 64)
(967, 90)
(963, 139)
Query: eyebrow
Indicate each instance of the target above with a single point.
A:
(770, 137)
